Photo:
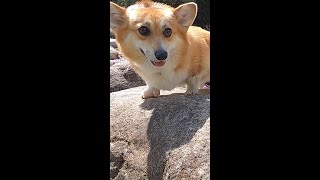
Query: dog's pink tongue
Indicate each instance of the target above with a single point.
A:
(160, 63)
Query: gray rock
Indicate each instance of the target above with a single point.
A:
(113, 43)
(114, 54)
(114, 61)
(112, 34)
(116, 163)
(122, 76)
(160, 138)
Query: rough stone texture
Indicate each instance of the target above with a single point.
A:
(160, 138)
(114, 61)
(115, 165)
(191, 160)
(113, 43)
(122, 76)
(114, 54)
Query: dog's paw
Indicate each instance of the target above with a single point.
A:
(156, 93)
(151, 94)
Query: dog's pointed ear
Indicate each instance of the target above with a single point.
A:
(186, 14)
(117, 15)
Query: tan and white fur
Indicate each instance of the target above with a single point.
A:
(148, 31)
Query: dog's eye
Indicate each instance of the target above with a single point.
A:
(144, 31)
(167, 32)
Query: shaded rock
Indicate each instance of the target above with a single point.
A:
(112, 34)
(114, 54)
(207, 27)
(115, 165)
(122, 76)
(113, 43)
(191, 160)
(161, 138)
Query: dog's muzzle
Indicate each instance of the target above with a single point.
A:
(161, 56)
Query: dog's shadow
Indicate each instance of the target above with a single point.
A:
(174, 121)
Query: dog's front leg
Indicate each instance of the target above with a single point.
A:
(192, 85)
(151, 92)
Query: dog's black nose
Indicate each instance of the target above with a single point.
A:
(161, 54)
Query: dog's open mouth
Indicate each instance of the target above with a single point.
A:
(158, 63)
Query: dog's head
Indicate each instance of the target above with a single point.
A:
(150, 32)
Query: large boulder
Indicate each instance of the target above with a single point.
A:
(159, 138)
(122, 76)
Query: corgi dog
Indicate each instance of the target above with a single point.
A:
(162, 46)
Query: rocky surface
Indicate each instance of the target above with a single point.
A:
(116, 163)
(159, 138)
(122, 76)
(114, 54)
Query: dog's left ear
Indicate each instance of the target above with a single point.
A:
(186, 14)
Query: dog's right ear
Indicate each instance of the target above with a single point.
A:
(117, 15)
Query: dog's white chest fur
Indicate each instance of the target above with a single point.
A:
(164, 78)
